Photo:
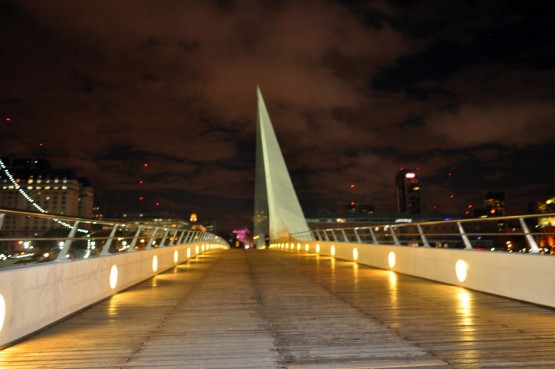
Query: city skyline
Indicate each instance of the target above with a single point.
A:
(152, 100)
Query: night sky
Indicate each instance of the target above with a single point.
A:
(355, 90)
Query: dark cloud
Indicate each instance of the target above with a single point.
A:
(355, 90)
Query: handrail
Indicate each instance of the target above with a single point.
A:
(467, 233)
(99, 237)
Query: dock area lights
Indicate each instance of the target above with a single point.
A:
(355, 254)
(391, 259)
(154, 263)
(113, 276)
(196, 249)
(175, 256)
(188, 252)
(332, 250)
(461, 268)
(203, 247)
(317, 248)
(306, 247)
(298, 246)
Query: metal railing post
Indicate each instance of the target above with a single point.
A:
(395, 239)
(531, 241)
(173, 237)
(345, 238)
(106, 247)
(422, 236)
(181, 237)
(164, 237)
(134, 242)
(67, 243)
(357, 235)
(374, 238)
(318, 236)
(333, 235)
(466, 241)
(152, 239)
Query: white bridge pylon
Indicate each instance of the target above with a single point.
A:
(284, 213)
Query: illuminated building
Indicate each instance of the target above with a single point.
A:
(408, 191)
(55, 191)
(494, 203)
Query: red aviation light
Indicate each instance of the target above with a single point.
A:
(8, 119)
(141, 198)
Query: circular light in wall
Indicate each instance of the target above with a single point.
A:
(2, 312)
(298, 246)
(175, 256)
(154, 263)
(306, 247)
(188, 252)
(461, 268)
(113, 276)
(196, 249)
(317, 248)
(391, 259)
(332, 250)
(355, 254)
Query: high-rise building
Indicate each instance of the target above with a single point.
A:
(494, 203)
(56, 191)
(407, 190)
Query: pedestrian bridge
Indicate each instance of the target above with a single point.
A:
(294, 309)
(114, 294)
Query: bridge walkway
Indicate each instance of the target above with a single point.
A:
(268, 309)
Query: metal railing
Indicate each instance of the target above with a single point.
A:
(31, 237)
(533, 233)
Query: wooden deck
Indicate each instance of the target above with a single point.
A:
(269, 309)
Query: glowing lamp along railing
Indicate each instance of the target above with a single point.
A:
(154, 263)
(113, 276)
(2, 311)
(391, 259)
(461, 269)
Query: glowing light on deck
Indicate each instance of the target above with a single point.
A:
(391, 259)
(154, 263)
(461, 268)
(2, 311)
(113, 276)
(355, 254)
(175, 256)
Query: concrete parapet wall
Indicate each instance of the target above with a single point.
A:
(525, 277)
(33, 297)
